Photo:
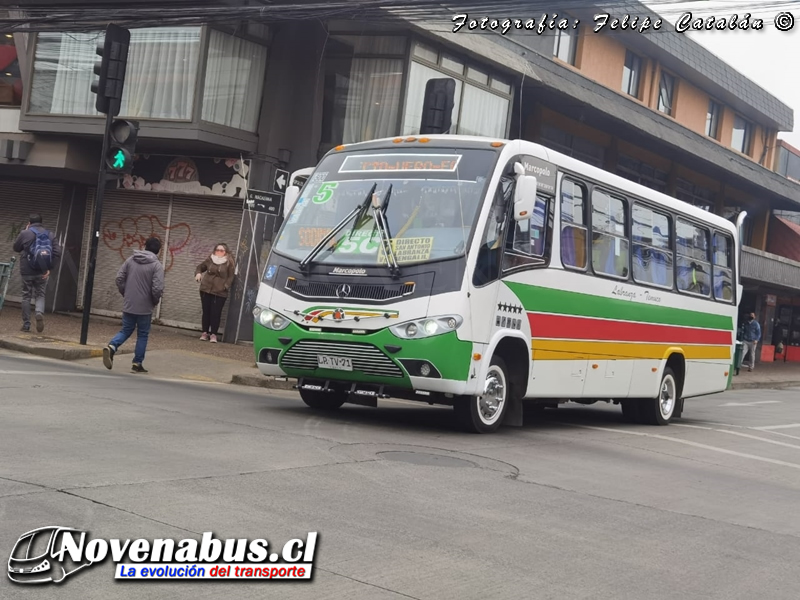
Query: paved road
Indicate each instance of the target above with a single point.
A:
(575, 504)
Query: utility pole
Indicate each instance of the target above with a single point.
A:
(108, 87)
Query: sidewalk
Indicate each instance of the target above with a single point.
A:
(171, 353)
(179, 354)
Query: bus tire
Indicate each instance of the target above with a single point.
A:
(323, 400)
(485, 412)
(659, 410)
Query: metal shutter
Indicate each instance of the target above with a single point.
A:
(198, 223)
(18, 199)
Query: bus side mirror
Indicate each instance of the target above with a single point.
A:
(289, 199)
(524, 194)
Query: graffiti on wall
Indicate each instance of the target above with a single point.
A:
(202, 176)
(130, 233)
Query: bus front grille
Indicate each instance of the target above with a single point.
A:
(365, 358)
(354, 291)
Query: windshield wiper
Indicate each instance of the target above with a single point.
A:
(378, 213)
(358, 210)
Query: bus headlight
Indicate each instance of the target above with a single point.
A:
(423, 328)
(270, 319)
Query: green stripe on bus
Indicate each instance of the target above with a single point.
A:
(562, 302)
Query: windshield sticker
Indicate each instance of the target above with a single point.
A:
(360, 242)
(319, 177)
(409, 163)
(311, 236)
(325, 192)
(408, 250)
(298, 210)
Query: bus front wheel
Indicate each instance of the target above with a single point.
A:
(484, 413)
(323, 400)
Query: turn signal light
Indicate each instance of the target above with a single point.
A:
(476, 356)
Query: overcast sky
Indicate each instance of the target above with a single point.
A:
(768, 57)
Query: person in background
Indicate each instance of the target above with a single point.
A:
(39, 249)
(752, 335)
(140, 280)
(215, 276)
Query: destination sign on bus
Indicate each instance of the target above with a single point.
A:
(406, 163)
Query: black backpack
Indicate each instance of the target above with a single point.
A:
(40, 252)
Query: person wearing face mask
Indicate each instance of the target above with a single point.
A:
(752, 335)
(215, 276)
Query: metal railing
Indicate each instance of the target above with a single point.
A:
(5, 276)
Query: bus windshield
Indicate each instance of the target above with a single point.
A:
(431, 201)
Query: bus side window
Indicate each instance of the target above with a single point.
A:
(609, 239)
(693, 264)
(723, 268)
(573, 225)
(487, 266)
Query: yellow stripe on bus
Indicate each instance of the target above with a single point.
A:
(582, 350)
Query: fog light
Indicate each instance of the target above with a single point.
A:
(451, 323)
(425, 369)
(411, 330)
(430, 327)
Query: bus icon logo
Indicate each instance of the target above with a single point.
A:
(38, 556)
(343, 291)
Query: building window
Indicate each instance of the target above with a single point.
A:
(694, 194)
(10, 81)
(609, 238)
(642, 173)
(666, 93)
(234, 81)
(482, 99)
(573, 225)
(694, 266)
(574, 146)
(565, 45)
(630, 74)
(652, 254)
(363, 85)
(742, 135)
(160, 80)
(712, 119)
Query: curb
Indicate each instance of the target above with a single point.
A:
(261, 381)
(765, 385)
(50, 351)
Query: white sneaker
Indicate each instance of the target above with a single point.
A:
(213, 339)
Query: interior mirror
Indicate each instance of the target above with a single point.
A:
(289, 199)
(524, 194)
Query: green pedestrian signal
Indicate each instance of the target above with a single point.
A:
(122, 136)
(119, 159)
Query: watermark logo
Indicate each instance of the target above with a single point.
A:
(50, 554)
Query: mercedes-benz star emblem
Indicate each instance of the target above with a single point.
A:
(343, 291)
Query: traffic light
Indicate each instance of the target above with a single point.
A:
(111, 69)
(122, 138)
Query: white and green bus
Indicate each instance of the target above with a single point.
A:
(476, 273)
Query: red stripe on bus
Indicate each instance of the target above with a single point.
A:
(582, 328)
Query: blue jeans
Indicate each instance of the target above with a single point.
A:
(142, 325)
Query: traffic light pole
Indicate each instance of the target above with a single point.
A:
(98, 209)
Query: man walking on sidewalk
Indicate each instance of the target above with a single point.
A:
(752, 334)
(39, 249)
(140, 280)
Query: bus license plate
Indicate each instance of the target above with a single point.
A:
(326, 361)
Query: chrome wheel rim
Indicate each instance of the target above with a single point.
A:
(493, 399)
(666, 399)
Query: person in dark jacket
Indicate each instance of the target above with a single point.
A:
(34, 278)
(215, 275)
(140, 280)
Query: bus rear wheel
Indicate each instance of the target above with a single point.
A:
(323, 400)
(659, 411)
(484, 413)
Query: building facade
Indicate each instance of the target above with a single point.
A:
(222, 109)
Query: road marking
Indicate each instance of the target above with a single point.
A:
(794, 437)
(769, 427)
(695, 445)
(751, 403)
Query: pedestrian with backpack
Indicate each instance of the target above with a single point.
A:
(39, 249)
(140, 280)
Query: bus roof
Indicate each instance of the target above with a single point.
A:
(564, 162)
